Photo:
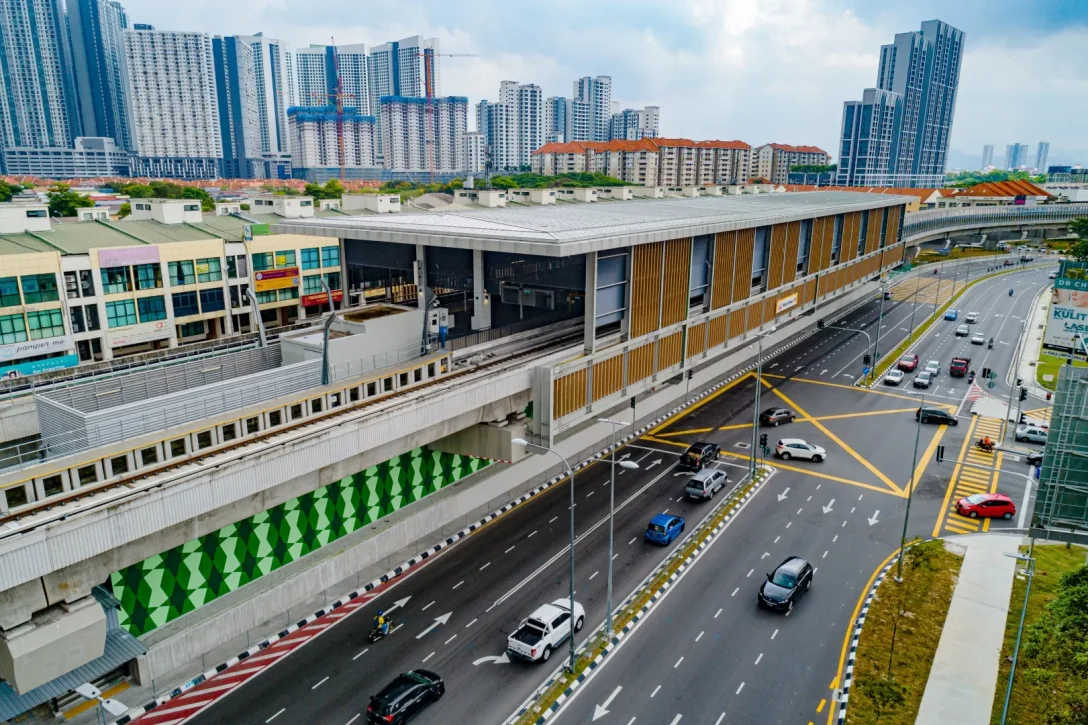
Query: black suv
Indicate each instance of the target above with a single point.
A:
(698, 455)
(936, 415)
(786, 585)
(777, 416)
(1034, 459)
(404, 697)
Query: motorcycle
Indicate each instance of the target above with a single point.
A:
(982, 446)
(971, 377)
(1010, 293)
(990, 345)
(376, 632)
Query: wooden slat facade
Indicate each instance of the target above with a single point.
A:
(725, 247)
(607, 377)
(742, 267)
(569, 393)
(674, 304)
(719, 330)
(737, 322)
(820, 253)
(669, 350)
(851, 228)
(640, 363)
(777, 260)
(872, 238)
(646, 289)
(894, 215)
(793, 239)
(697, 339)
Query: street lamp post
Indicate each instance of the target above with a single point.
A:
(570, 474)
(1020, 630)
(755, 411)
(879, 323)
(612, 508)
(1013, 386)
(102, 704)
(910, 494)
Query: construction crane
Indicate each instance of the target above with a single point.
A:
(428, 88)
(337, 99)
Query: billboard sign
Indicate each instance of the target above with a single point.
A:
(20, 370)
(273, 279)
(127, 256)
(320, 298)
(137, 334)
(785, 303)
(33, 348)
(1068, 314)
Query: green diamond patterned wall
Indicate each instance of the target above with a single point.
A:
(164, 587)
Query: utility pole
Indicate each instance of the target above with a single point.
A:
(910, 495)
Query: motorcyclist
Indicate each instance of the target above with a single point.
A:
(986, 443)
(991, 343)
(381, 622)
(1010, 293)
(971, 376)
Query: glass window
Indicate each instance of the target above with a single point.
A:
(76, 314)
(311, 284)
(211, 300)
(86, 282)
(181, 273)
(92, 317)
(236, 267)
(266, 297)
(71, 286)
(804, 244)
(330, 256)
(121, 313)
(883, 230)
(291, 293)
(285, 258)
(311, 258)
(262, 261)
(12, 329)
(39, 288)
(47, 323)
(115, 280)
(151, 308)
(864, 232)
(192, 329)
(759, 255)
(333, 280)
(148, 276)
(185, 304)
(9, 292)
(209, 270)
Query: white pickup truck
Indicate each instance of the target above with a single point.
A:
(544, 630)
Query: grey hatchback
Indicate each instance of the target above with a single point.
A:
(705, 483)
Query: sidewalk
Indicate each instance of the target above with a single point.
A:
(963, 679)
(1033, 343)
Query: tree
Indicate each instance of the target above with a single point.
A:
(1079, 250)
(8, 190)
(64, 202)
(124, 210)
(1080, 227)
(207, 203)
(137, 191)
(332, 189)
(885, 693)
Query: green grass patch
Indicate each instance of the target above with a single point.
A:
(595, 646)
(1051, 687)
(911, 614)
(1049, 365)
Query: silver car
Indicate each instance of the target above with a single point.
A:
(933, 367)
(922, 379)
(1031, 434)
(705, 483)
(963, 331)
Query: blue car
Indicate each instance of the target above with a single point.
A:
(952, 315)
(664, 528)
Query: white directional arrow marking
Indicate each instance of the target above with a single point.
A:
(782, 496)
(823, 371)
(625, 456)
(437, 621)
(873, 519)
(600, 711)
(679, 473)
(655, 462)
(827, 509)
(502, 659)
(398, 604)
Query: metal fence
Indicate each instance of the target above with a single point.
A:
(931, 220)
(1062, 498)
(361, 366)
(497, 333)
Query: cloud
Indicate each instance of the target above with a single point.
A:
(758, 70)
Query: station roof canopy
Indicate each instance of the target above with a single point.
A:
(576, 228)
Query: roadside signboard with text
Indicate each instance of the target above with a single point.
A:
(273, 279)
(1068, 313)
(320, 298)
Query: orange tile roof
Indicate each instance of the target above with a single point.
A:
(1004, 189)
(798, 149)
(723, 145)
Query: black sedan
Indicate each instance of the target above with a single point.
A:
(404, 697)
(786, 585)
(935, 415)
(776, 416)
(1034, 459)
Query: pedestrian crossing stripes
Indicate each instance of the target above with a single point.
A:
(974, 392)
(970, 479)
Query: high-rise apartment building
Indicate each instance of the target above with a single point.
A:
(475, 145)
(96, 29)
(923, 69)
(274, 75)
(170, 84)
(420, 136)
(316, 76)
(39, 108)
(404, 69)
(596, 93)
(1041, 153)
(869, 127)
(631, 124)
(1016, 155)
(515, 125)
(987, 156)
(556, 109)
(236, 94)
(316, 144)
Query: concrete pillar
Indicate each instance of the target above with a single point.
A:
(481, 303)
(420, 275)
(590, 305)
(53, 643)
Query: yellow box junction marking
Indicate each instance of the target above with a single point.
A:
(968, 480)
(681, 415)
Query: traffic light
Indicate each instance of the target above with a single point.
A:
(762, 440)
(940, 454)
(1023, 393)
(867, 359)
(1019, 381)
(985, 373)
(819, 324)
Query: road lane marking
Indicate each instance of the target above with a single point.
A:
(458, 583)
(450, 639)
(740, 688)
(534, 533)
(428, 656)
(799, 511)
(470, 624)
(834, 538)
(360, 654)
(593, 575)
(700, 636)
(820, 707)
(509, 550)
(824, 556)
(319, 684)
(843, 525)
(759, 658)
(589, 494)
(655, 691)
(777, 538)
(853, 508)
(789, 524)
(485, 566)
(276, 715)
(774, 634)
(349, 722)
(427, 607)
(716, 722)
(632, 541)
(717, 613)
(553, 518)
(809, 498)
(750, 572)
(678, 662)
(738, 588)
(765, 555)
(676, 719)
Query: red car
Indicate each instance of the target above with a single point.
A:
(986, 504)
(907, 363)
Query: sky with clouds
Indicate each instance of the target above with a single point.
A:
(757, 70)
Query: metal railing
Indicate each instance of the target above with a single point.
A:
(497, 333)
(935, 220)
(362, 366)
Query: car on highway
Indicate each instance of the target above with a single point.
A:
(777, 416)
(959, 366)
(704, 484)
(894, 377)
(933, 367)
(788, 448)
(978, 339)
(404, 697)
(908, 362)
(963, 331)
(972, 318)
(663, 528)
(785, 585)
(1030, 433)
(922, 379)
(986, 505)
(935, 415)
(952, 315)
(544, 630)
(1034, 459)
(698, 455)
(1008, 263)
(1026, 258)
(1052, 275)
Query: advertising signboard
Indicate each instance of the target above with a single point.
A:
(272, 279)
(785, 303)
(38, 366)
(1068, 314)
(320, 298)
(33, 348)
(126, 256)
(148, 331)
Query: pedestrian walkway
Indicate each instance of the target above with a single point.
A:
(963, 679)
(1033, 343)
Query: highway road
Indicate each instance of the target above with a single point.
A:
(462, 605)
